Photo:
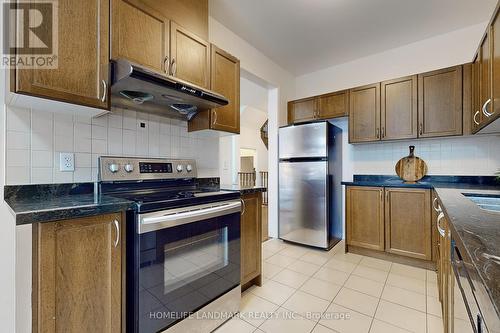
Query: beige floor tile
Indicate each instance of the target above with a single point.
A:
(303, 303)
(315, 258)
(357, 301)
(290, 278)
(294, 252)
(349, 257)
(462, 326)
(345, 320)
(321, 289)
(267, 253)
(404, 297)
(434, 306)
(280, 260)
(285, 321)
(340, 265)
(382, 327)
(434, 324)
(407, 283)
(274, 292)
(371, 273)
(322, 329)
(304, 267)
(380, 264)
(236, 325)
(255, 310)
(409, 271)
(331, 275)
(366, 286)
(401, 316)
(270, 270)
(432, 289)
(431, 276)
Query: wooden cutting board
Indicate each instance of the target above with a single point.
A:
(411, 168)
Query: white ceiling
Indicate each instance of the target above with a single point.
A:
(303, 36)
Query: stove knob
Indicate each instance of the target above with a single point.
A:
(180, 168)
(114, 168)
(189, 168)
(129, 167)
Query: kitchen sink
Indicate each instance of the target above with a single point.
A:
(486, 202)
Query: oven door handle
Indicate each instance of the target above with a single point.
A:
(152, 223)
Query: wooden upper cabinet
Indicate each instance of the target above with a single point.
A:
(140, 35)
(77, 275)
(191, 14)
(82, 73)
(365, 217)
(333, 105)
(302, 110)
(226, 81)
(440, 103)
(398, 112)
(189, 56)
(251, 235)
(408, 222)
(364, 113)
(494, 108)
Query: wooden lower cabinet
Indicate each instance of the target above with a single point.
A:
(408, 222)
(365, 217)
(78, 275)
(251, 240)
(393, 220)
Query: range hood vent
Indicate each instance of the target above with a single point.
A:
(134, 87)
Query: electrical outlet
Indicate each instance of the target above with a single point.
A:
(67, 162)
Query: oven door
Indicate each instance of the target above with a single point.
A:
(188, 257)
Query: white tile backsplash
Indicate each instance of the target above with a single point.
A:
(35, 139)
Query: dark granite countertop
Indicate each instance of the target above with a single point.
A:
(477, 235)
(44, 203)
(461, 182)
(243, 189)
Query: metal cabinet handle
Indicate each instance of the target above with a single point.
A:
(436, 208)
(117, 228)
(243, 207)
(173, 67)
(383, 132)
(381, 191)
(386, 195)
(166, 64)
(475, 115)
(438, 224)
(485, 106)
(104, 91)
(215, 117)
(421, 129)
(377, 133)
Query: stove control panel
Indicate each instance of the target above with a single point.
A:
(135, 168)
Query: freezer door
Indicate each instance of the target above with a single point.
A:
(303, 203)
(308, 140)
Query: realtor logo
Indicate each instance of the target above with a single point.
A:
(30, 34)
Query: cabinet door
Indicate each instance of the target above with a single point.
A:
(485, 76)
(364, 113)
(190, 56)
(302, 110)
(333, 105)
(365, 217)
(493, 110)
(398, 112)
(78, 275)
(440, 103)
(226, 81)
(251, 234)
(81, 76)
(476, 93)
(408, 222)
(140, 35)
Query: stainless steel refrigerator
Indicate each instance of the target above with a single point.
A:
(310, 190)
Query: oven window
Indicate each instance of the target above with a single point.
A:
(184, 268)
(186, 261)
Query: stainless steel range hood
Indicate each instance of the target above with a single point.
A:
(137, 88)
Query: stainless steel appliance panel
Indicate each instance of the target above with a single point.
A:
(303, 202)
(306, 140)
